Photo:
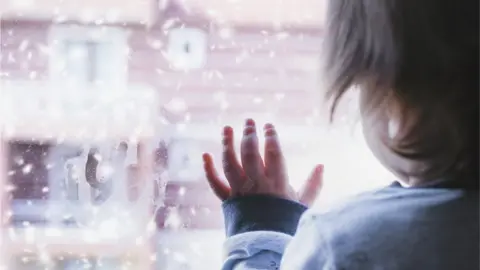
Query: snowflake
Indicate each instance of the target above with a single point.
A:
(153, 257)
(27, 168)
(279, 96)
(257, 100)
(168, 24)
(173, 219)
(179, 257)
(282, 35)
(23, 45)
(176, 105)
(226, 33)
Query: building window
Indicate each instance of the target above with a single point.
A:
(187, 48)
(80, 60)
(84, 55)
(184, 162)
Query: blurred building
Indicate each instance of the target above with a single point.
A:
(184, 69)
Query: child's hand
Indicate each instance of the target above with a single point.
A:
(253, 175)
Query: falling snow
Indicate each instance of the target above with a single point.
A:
(94, 116)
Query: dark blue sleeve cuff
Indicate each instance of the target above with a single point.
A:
(261, 213)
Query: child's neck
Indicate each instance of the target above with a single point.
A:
(443, 182)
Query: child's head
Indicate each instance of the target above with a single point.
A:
(415, 63)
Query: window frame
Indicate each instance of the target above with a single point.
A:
(116, 37)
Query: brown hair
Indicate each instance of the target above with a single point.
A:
(421, 58)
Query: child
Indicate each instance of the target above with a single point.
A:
(415, 64)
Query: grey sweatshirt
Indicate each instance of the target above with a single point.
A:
(434, 227)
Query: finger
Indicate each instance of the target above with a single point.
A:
(251, 160)
(274, 160)
(313, 186)
(231, 167)
(218, 186)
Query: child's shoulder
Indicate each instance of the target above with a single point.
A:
(394, 201)
(398, 227)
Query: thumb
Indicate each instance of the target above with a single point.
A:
(218, 186)
(312, 187)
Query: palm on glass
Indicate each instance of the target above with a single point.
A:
(254, 175)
